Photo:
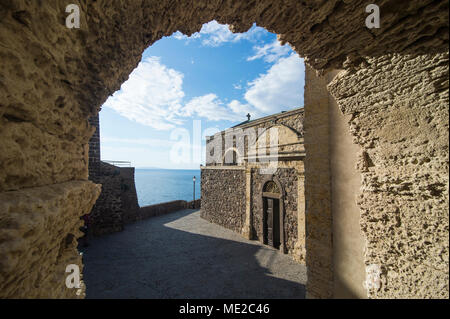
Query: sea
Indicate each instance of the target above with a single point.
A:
(154, 186)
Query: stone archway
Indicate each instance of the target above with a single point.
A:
(396, 78)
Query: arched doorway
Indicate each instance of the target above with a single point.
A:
(273, 215)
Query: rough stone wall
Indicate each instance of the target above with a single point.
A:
(117, 203)
(256, 205)
(402, 127)
(288, 180)
(54, 78)
(128, 195)
(223, 197)
(39, 228)
(94, 148)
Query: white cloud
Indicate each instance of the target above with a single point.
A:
(180, 36)
(151, 96)
(215, 34)
(279, 89)
(270, 52)
(244, 108)
(211, 107)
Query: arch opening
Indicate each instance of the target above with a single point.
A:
(66, 74)
(205, 105)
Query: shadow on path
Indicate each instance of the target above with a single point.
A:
(180, 255)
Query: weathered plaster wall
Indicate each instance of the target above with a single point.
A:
(223, 197)
(402, 128)
(53, 79)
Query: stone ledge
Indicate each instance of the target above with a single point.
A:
(240, 168)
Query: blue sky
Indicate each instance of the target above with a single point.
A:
(187, 87)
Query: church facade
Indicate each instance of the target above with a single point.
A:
(253, 181)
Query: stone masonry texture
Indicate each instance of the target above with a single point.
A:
(94, 148)
(394, 84)
(404, 167)
(223, 197)
(117, 203)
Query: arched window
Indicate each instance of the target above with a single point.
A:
(271, 187)
(230, 157)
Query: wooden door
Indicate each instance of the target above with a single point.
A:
(276, 224)
(269, 221)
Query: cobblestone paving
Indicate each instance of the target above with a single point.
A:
(180, 255)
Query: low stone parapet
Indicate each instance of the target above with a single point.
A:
(194, 204)
(166, 208)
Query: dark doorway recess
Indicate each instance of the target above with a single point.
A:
(272, 222)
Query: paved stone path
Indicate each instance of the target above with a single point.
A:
(180, 255)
